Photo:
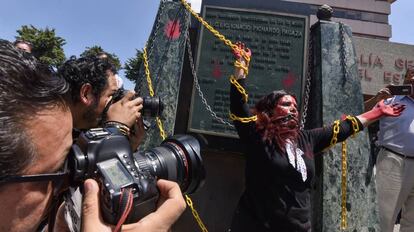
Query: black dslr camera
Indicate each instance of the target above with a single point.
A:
(151, 106)
(106, 156)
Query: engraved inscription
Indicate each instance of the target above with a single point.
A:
(277, 43)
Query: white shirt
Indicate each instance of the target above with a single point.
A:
(397, 133)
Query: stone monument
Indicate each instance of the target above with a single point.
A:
(336, 91)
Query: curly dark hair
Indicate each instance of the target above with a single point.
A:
(26, 88)
(265, 124)
(78, 72)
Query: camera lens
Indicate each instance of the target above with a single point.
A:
(177, 159)
(152, 106)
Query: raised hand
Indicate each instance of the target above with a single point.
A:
(393, 110)
(380, 110)
(242, 48)
(126, 110)
(242, 56)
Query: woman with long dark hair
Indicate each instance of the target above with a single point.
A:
(280, 157)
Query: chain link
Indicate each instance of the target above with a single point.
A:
(344, 168)
(159, 122)
(151, 43)
(334, 138)
(157, 26)
(343, 57)
(243, 120)
(239, 88)
(147, 72)
(215, 32)
(343, 60)
(355, 125)
(309, 74)
(197, 85)
(195, 213)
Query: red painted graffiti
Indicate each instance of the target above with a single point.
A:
(217, 73)
(289, 80)
(172, 29)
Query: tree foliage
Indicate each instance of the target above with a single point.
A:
(47, 46)
(133, 65)
(96, 50)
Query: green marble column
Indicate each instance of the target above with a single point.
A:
(165, 47)
(334, 94)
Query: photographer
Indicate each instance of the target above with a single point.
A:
(92, 83)
(395, 162)
(35, 138)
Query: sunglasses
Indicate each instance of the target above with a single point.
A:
(60, 179)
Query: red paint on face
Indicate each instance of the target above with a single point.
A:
(286, 105)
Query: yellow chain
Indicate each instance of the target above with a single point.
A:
(238, 64)
(215, 32)
(243, 120)
(161, 127)
(344, 223)
(151, 91)
(355, 125)
(239, 88)
(195, 214)
(163, 136)
(147, 72)
(344, 166)
(334, 139)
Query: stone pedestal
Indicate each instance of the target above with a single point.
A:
(334, 94)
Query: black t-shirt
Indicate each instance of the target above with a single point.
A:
(276, 198)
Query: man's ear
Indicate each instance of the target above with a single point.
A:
(86, 95)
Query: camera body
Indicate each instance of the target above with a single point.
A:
(400, 89)
(105, 155)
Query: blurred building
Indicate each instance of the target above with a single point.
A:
(368, 18)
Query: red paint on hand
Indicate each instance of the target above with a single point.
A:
(382, 109)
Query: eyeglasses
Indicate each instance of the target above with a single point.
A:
(59, 179)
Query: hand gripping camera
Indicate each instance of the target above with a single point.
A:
(107, 157)
(151, 106)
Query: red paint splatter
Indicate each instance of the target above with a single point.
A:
(172, 29)
(217, 73)
(289, 80)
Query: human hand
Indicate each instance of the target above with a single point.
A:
(242, 56)
(393, 110)
(242, 52)
(170, 206)
(382, 94)
(126, 110)
(380, 110)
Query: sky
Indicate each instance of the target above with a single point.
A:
(122, 26)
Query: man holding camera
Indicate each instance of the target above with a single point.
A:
(35, 138)
(395, 162)
(92, 84)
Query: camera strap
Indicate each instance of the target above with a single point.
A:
(125, 206)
